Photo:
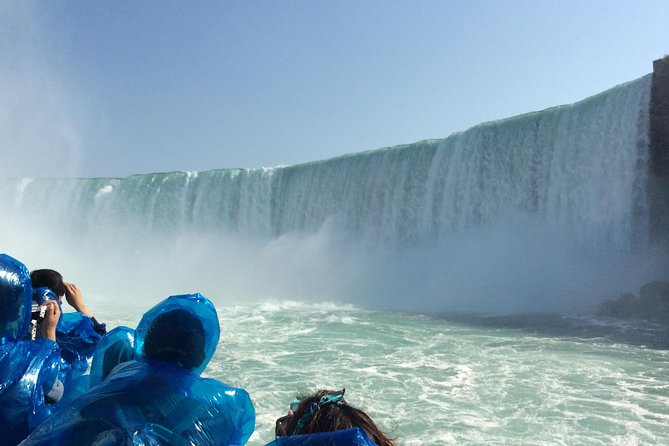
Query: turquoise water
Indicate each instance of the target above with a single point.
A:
(433, 380)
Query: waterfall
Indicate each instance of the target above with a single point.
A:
(568, 182)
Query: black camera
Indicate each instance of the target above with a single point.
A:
(40, 296)
(36, 317)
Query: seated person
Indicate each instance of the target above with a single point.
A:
(159, 398)
(325, 417)
(28, 369)
(77, 333)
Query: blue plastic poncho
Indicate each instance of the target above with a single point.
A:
(116, 347)
(76, 337)
(348, 437)
(158, 398)
(28, 369)
(77, 340)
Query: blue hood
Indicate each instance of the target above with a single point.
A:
(194, 307)
(116, 347)
(15, 298)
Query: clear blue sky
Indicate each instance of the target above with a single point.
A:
(112, 88)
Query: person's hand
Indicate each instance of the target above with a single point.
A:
(51, 318)
(75, 298)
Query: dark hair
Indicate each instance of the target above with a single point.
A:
(334, 417)
(48, 278)
(176, 337)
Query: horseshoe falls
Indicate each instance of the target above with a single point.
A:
(541, 212)
(447, 284)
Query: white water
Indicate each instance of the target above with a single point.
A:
(531, 380)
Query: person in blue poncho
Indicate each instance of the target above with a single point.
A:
(158, 398)
(77, 333)
(29, 384)
(326, 419)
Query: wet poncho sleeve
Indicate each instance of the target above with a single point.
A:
(28, 371)
(235, 405)
(77, 339)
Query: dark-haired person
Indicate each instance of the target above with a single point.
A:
(52, 279)
(29, 384)
(77, 333)
(158, 397)
(326, 418)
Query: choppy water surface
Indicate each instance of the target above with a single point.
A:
(544, 380)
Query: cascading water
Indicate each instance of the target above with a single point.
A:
(531, 212)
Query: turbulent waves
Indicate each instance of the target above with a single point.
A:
(453, 381)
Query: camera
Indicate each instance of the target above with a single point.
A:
(38, 311)
(36, 317)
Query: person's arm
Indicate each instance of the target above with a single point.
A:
(75, 298)
(51, 317)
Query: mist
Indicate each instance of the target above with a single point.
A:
(496, 270)
(42, 113)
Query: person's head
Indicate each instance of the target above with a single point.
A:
(189, 336)
(176, 337)
(50, 279)
(328, 411)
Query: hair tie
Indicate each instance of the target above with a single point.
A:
(326, 400)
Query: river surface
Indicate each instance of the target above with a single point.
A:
(443, 379)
